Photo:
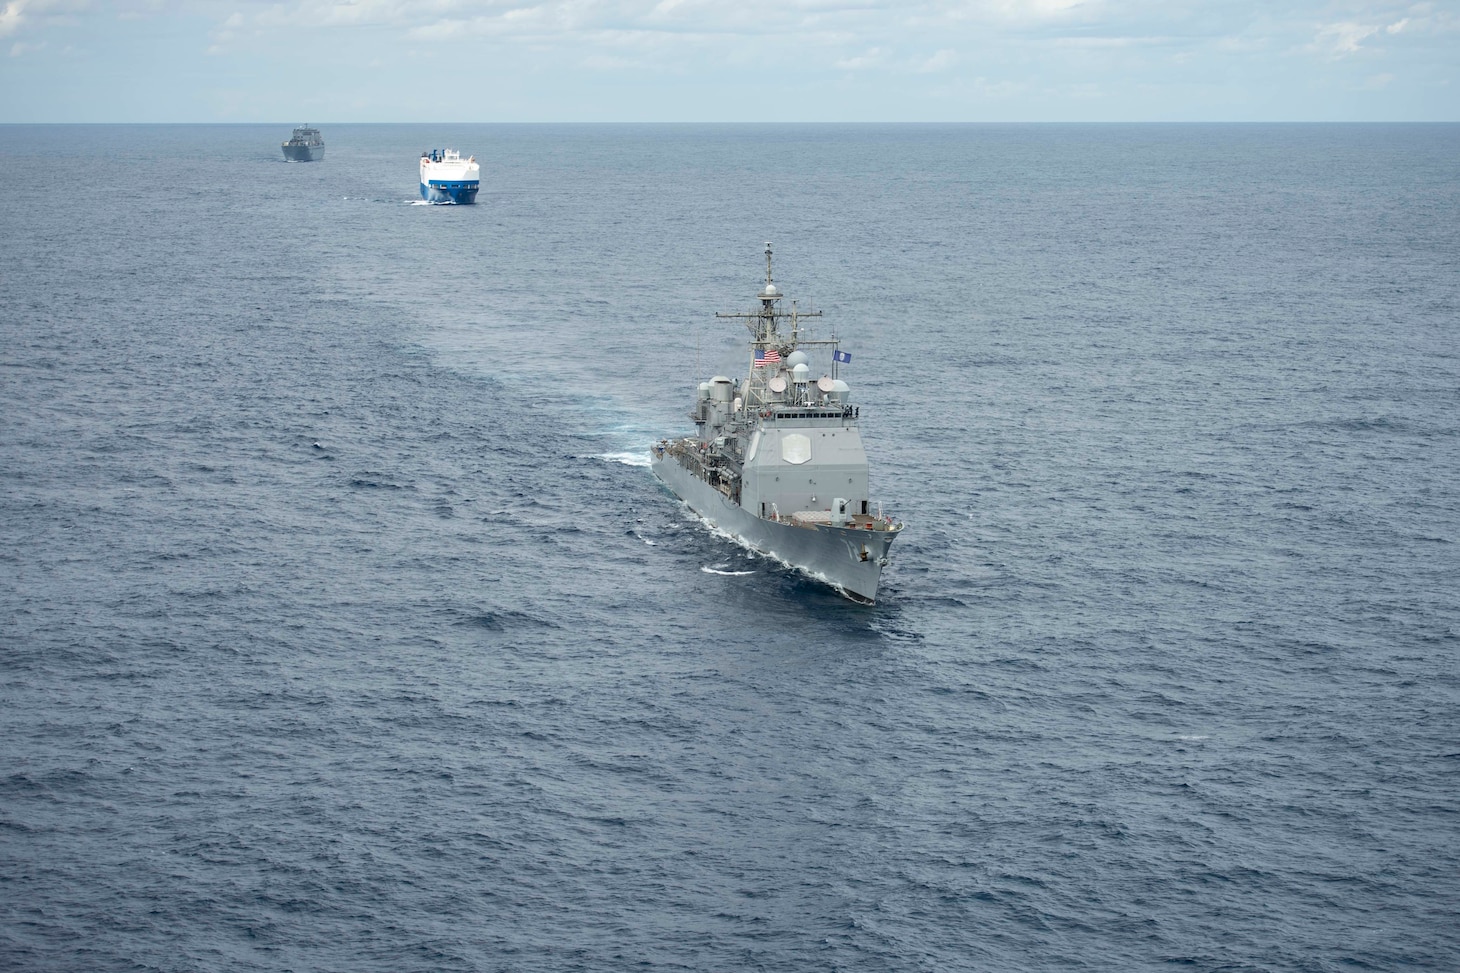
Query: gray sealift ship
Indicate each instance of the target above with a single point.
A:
(305, 145)
(776, 460)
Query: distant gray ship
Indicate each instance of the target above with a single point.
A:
(305, 145)
(777, 459)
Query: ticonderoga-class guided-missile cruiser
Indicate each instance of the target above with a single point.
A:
(777, 459)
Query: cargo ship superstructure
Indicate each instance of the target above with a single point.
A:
(777, 460)
(448, 178)
(305, 145)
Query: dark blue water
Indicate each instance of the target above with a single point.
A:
(343, 627)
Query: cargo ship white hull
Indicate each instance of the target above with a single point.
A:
(448, 178)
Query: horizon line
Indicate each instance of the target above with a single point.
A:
(603, 122)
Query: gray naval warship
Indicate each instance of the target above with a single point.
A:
(776, 460)
(305, 145)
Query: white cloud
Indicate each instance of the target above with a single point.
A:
(998, 89)
(1034, 9)
(872, 57)
(11, 19)
(1242, 44)
(1343, 38)
(606, 62)
(1005, 11)
(360, 13)
(18, 14)
(439, 31)
(1109, 42)
(940, 61)
(750, 17)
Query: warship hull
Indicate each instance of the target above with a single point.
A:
(849, 559)
(303, 153)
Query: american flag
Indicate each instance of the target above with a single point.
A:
(766, 356)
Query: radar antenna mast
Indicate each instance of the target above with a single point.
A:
(764, 323)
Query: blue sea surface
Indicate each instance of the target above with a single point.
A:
(344, 627)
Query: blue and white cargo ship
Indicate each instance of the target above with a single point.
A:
(448, 178)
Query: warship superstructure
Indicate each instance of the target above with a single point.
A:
(306, 145)
(777, 461)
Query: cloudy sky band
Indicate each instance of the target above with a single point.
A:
(705, 60)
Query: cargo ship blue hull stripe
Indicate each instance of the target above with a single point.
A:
(443, 190)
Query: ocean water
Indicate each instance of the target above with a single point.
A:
(343, 626)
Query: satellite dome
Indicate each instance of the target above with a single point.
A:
(796, 358)
(720, 388)
(770, 291)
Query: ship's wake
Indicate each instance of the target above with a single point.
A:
(724, 570)
(629, 459)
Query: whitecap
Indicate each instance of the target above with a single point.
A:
(723, 569)
(628, 459)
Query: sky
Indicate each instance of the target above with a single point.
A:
(728, 60)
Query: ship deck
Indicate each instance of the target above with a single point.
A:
(688, 453)
(822, 518)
